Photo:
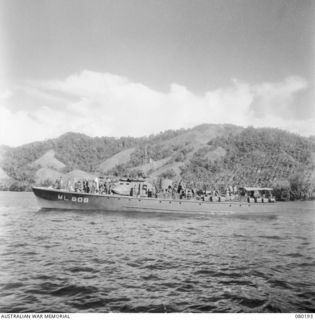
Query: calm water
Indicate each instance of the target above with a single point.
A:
(53, 261)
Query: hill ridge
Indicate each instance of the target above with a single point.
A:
(206, 155)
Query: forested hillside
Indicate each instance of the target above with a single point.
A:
(74, 150)
(207, 156)
(257, 157)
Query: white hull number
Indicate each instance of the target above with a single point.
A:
(73, 199)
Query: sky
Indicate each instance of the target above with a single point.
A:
(139, 67)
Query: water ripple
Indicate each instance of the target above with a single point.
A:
(131, 262)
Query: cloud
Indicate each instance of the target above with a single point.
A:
(277, 99)
(101, 104)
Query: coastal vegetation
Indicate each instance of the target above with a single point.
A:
(207, 156)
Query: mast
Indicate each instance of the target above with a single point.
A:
(146, 157)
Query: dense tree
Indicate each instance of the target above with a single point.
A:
(262, 157)
(259, 157)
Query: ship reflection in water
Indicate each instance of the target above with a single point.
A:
(92, 261)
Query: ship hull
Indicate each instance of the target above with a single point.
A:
(60, 199)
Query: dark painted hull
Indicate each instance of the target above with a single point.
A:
(61, 199)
